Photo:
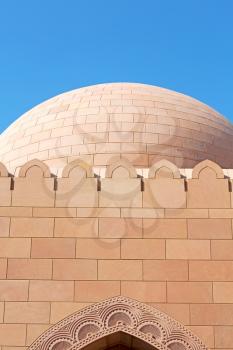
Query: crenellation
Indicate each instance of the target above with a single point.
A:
(36, 174)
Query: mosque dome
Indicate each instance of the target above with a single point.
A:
(105, 122)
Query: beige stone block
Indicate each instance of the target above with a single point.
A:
(41, 136)
(77, 192)
(189, 124)
(146, 138)
(3, 268)
(60, 310)
(32, 227)
(73, 269)
(187, 249)
(58, 109)
(14, 348)
(142, 249)
(223, 292)
(121, 136)
(59, 151)
(62, 131)
(164, 193)
(54, 212)
(189, 292)
(211, 314)
(95, 291)
(53, 125)
(201, 194)
(15, 211)
(211, 270)
(209, 228)
(142, 213)
(103, 159)
(51, 291)
(205, 333)
(222, 249)
(72, 227)
(120, 192)
(223, 337)
(34, 331)
(180, 312)
(5, 185)
(70, 140)
(144, 291)
(171, 141)
(27, 312)
(97, 248)
(53, 248)
(164, 228)
(33, 192)
(120, 228)
(120, 270)
(165, 270)
(29, 269)
(134, 148)
(13, 290)
(106, 147)
(186, 213)
(221, 213)
(12, 334)
(139, 160)
(15, 247)
(4, 227)
(98, 212)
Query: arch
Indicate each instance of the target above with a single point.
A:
(122, 163)
(207, 164)
(77, 163)
(113, 316)
(161, 164)
(44, 169)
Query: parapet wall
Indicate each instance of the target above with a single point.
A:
(71, 241)
(78, 187)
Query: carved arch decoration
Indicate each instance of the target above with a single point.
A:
(124, 164)
(118, 315)
(166, 165)
(35, 163)
(196, 173)
(77, 164)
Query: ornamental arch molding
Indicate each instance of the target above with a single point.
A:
(118, 321)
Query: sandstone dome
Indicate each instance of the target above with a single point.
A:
(105, 122)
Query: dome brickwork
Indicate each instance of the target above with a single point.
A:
(106, 122)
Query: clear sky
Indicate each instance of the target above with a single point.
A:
(51, 46)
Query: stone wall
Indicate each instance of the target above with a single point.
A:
(75, 240)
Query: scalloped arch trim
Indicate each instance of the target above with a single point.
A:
(207, 164)
(77, 164)
(118, 315)
(122, 163)
(163, 163)
(35, 163)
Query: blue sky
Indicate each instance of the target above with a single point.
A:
(51, 46)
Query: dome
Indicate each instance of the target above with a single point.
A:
(105, 122)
